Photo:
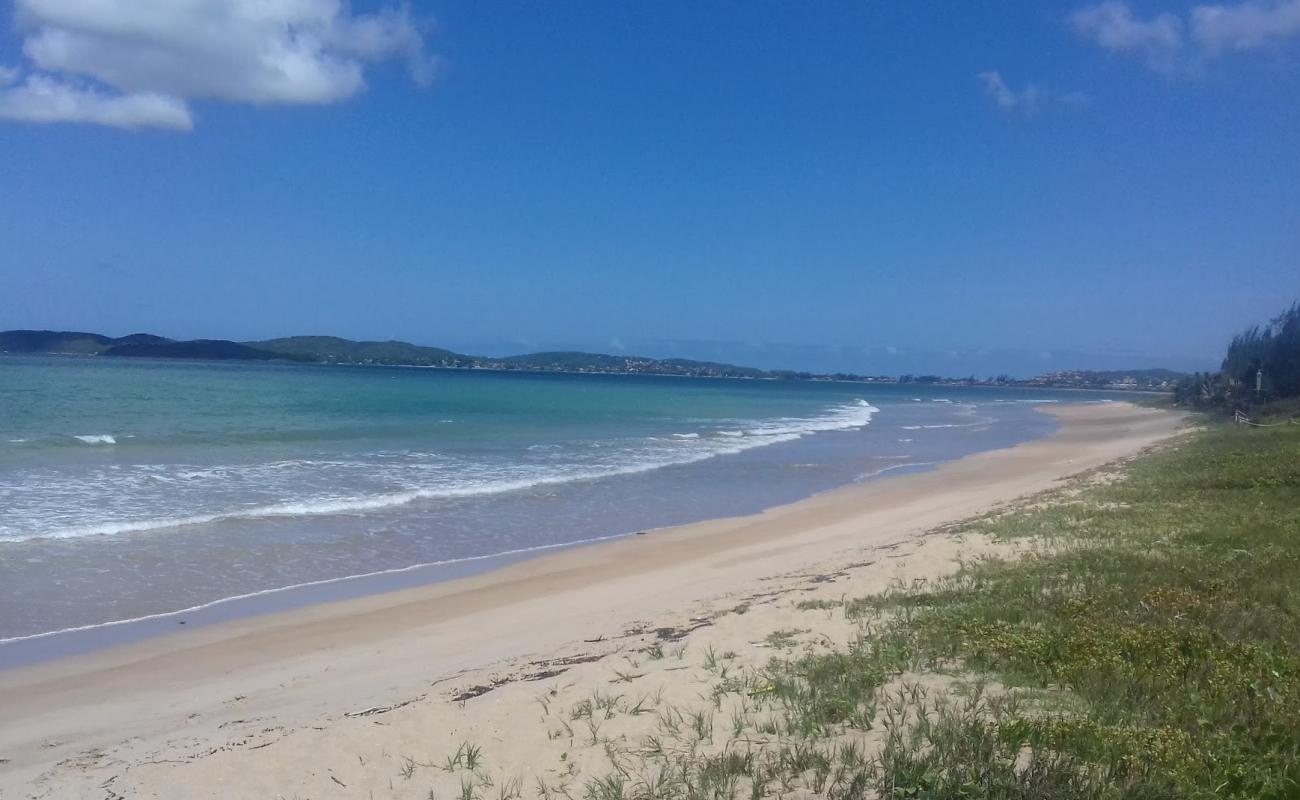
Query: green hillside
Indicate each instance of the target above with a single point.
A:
(53, 342)
(334, 350)
(214, 349)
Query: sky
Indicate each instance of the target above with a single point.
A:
(871, 186)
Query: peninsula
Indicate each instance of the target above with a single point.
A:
(336, 350)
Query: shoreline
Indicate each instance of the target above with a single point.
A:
(18, 651)
(315, 664)
(1147, 393)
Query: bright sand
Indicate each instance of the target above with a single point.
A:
(357, 698)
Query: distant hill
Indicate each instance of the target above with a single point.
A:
(139, 345)
(213, 349)
(140, 338)
(336, 350)
(731, 370)
(53, 342)
(333, 350)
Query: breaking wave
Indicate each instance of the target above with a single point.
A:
(651, 454)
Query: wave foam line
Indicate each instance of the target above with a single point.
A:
(945, 425)
(850, 417)
(877, 473)
(308, 584)
(847, 417)
(344, 505)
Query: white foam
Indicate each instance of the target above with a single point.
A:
(981, 424)
(847, 417)
(97, 438)
(688, 448)
(877, 473)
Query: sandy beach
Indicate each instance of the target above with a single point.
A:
(371, 697)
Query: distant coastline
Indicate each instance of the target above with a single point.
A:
(336, 350)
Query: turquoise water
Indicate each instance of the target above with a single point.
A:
(132, 488)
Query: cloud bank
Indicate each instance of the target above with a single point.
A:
(139, 63)
(1173, 44)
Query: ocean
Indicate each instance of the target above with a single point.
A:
(137, 489)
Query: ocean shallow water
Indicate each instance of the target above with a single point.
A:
(131, 490)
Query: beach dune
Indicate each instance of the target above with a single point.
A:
(361, 697)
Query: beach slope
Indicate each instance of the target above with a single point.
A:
(363, 697)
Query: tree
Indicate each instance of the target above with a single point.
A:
(1273, 348)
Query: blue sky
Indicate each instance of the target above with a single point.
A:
(870, 186)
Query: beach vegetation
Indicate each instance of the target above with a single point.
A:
(818, 604)
(642, 706)
(608, 787)
(511, 789)
(784, 638)
(454, 761)
(626, 677)
(1259, 374)
(468, 756)
(473, 756)
(702, 724)
(711, 659)
(1147, 645)
(670, 720)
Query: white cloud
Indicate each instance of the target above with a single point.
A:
(1028, 100)
(1245, 26)
(1159, 40)
(138, 63)
(1169, 44)
(44, 99)
(998, 89)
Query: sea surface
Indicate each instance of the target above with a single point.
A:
(138, 488)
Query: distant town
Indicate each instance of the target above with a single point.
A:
(335, 350)
(1145, 380)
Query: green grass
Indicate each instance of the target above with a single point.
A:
(1171, 610)
(784, 638)
(1149, 649)
(1167, 612)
